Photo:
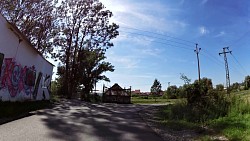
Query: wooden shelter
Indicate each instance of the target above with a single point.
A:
(116, 94)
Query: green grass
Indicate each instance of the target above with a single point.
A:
(13, 109)
(150, 100)
(234, 126)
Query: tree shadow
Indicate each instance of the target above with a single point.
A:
(76, 120)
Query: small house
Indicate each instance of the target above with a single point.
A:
(116, 94)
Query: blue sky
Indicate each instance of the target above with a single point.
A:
(157, 40)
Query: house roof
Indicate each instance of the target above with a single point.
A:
(22, 37)
(116, 87)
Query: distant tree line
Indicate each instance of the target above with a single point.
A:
(205, 85)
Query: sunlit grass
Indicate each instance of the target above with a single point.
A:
(234, 126)
(150, 100)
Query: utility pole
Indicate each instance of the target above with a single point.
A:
(225, 51)
(168, 84)
(197, 51)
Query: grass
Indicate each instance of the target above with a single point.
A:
(13, 109)
(234, 126)
(150, 100)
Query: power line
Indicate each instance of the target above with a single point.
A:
(156, 38)
(240, 38)
(157, 34)
(219, 63)
(163, 43)
(239, 63)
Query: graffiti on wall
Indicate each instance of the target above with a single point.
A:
(17, 79)
(37, 85)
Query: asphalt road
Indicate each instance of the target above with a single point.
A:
(78, 121)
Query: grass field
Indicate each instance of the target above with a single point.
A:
(235, 126)
(151, 100)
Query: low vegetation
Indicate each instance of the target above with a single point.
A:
(210, 113)
(150, 100)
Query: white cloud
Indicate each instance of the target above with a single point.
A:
(203, 30)
(127, 62)
(142, 15)
(204, 2)
(222, 33)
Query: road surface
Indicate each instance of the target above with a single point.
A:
(78, 121)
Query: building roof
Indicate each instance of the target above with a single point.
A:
(116, 87)
(22, 37)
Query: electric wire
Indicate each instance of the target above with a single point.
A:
(239, 39)
(157, 38)
(157, 34)
(162, 43)
(236, 60)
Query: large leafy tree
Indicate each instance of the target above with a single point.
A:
(85, 35)
(91, 69)
(34, 18)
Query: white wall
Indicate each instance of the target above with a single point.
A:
(21, 62)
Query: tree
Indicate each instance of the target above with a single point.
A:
(85, 35)
(172, 92)
(156, 88)
(92, 69)
(235, 86)
(205, 84)
(247, 82)
(220, 87)
(185, 78)
(36, 19)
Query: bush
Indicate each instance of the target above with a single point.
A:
(203, 103)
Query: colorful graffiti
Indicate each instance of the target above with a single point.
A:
(17, 79)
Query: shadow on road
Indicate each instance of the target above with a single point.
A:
(76, 120)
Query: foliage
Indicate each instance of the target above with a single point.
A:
(36, 19)
(235, 87)
(156, 87)
(220, 87)
(185, 78)
(247, 82)
(83, 38)
(172, 92)
(150, 100)
(203, 102)
(219, 113)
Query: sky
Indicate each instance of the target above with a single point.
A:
(157, 41)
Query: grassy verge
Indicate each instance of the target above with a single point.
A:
(151, 100)
(235, 125)
(13, 109)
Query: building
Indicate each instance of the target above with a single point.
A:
(136, 92)
(25, 74)
(116, 94)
